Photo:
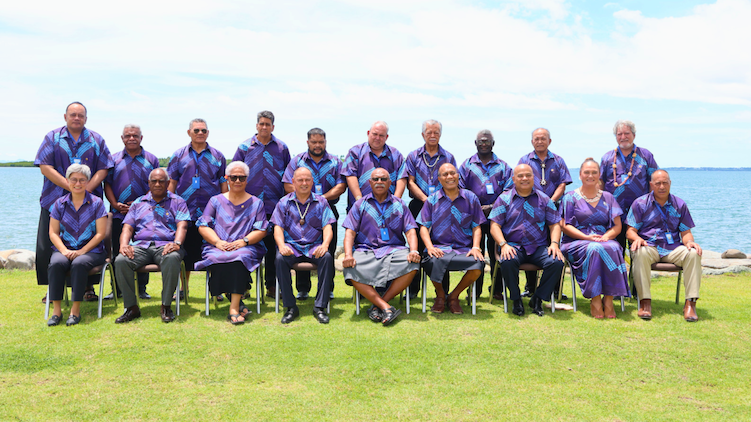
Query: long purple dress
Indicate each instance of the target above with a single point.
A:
(233, 222)
(598, 266)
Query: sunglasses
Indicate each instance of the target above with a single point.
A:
(158, 181)
(236, 178)
(200, 131)
(379, 179)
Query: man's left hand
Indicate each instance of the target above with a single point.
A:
(169, 248)
(414, 256)
(694, 245)
(477, 254)
(555, 251)
(320, 251)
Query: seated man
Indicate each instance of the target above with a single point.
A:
(302, 231)
(659, 230)
(157, 223)
(518, 225)
(375, 229)
(450, 221)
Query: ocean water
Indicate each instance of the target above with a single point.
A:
(719, 202)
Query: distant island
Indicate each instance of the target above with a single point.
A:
(162, 162)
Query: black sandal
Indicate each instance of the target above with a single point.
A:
(244, 311)
(390, 314)
(90, 296)
(237, 319)
(374, 313)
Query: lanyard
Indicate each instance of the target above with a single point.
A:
(196, 158)
(664, 215)
(317, 166)
(382, 210)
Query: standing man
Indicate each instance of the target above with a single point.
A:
(153, 231)
(551, 177)
(364, 158)
(328, 182)
(374, 251)
(66, 145)
(520, 220)
(268, 157)
(626, 170)
(659, 230)
(450, 228)
(196, 173)
(487, 176)
(422, 172)
(126, 181)
(302, 231)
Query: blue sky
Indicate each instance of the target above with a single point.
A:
(679, 69)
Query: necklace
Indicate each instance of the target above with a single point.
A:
(615, 167)
(543, 182)
(430, 166)
(302, 214)
(593, 200)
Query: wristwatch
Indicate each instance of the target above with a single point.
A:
(246, 240)
(502, 244)
(178, 243)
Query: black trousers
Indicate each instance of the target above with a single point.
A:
(44, 247)
(302, 281)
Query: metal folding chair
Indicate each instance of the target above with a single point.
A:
(522, 267)
(300, 266)
(259, 290)
(425, 295)
(154, 268)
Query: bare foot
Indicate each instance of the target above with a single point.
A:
(595, 307)
(609, 308)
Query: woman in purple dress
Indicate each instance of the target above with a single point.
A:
(591, 221)
(233, 225)
(78, 222)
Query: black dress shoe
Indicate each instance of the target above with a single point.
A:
(302, 295)
(320, 315)
(143, 295)
(73, 320)
(129, 315)
(535, 303)
(166, 314)
(518, 308)
(527, 293)
(54, 320)
(290, 315)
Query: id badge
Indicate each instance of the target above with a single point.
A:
(384, 234)
(431, 190)
(669, 237)
(196, 182)
(319, 189)
(489, 188)
(76, 161)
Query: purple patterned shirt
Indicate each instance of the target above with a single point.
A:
(556, 171)
(524, 221)
(361, 161)
(475, 176)
(367, 217)
(657, 225)
(78, 227)
(636, 185)
(60, 150)
(267, 164)
(588, 218)
(327, 173)
(155, 221)
(454, 220)
(129, 178)
(182, 167)
(424, 168)
(305, 238)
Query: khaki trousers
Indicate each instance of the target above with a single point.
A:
(645, 256)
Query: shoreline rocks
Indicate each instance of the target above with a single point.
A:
(17, 259)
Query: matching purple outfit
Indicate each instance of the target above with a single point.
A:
(555, 171)
(487, 181)
(156, 221)
(361, 161)
(598, 266)
(129, 177)
(327, 173)
(659, 225)
(637, 184)
(424, 168)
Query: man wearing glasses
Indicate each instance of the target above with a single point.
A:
(267, 157)
(196, 173)
(153, 233)
(487, 176)
(126, 181)
(376, 227)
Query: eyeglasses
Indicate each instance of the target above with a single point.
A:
(197, 131)
(76, 181)
(484, 141)
(236, 178)
(158, 181)
(379, 179)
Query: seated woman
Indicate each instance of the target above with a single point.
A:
(233, 226)
(591, 221)
(78, 222)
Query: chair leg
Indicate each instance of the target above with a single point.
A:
(101, 289)
(276, 296)
(678, 287)
(259, 290)
(184, 275)
(177, 292)
(207, 292)
(492, 281)
(573, 284)
(424, 290)
(552, 302)
(357, 301)
(474, 297)
(623, 305)
(47, 304)
(505, 302)
(407, 300)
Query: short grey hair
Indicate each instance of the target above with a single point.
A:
(132, 126)
(267, 114)
(540, 128)
(381, 123)
(197, 120)
(627, 123)
(233, 165)
(316, 131)
(484, 132)
(78, 168)
(432, 122)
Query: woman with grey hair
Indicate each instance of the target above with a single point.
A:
(78, 222)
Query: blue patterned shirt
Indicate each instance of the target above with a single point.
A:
(474, 175)
(367, 217)
(327, 173)
(182, 167)
(361, 161)
(556, 171)
(523, 220)
(129, 178)
(78, 226)
(424, 168)
(305, 238)
(155, 221)
(636, 185)
(451, 222)
(653, 222)
(267, 164)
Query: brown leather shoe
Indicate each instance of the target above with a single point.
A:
(689, 311)
(645, 309)
(166, 313)
(130, 314)
(455, 307)
(439, 305)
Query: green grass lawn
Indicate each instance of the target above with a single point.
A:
(491, 366)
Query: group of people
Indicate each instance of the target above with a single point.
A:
(266, 204)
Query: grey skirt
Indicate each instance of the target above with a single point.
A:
(452, 261)
(378, 272)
